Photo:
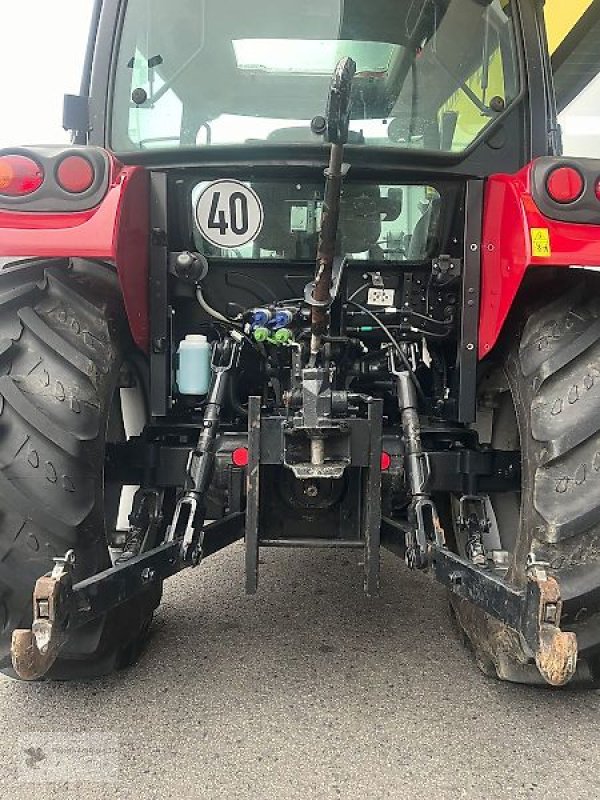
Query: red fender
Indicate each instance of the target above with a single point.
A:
(517, 236)
(117, 231)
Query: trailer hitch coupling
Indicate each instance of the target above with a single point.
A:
(34, 651)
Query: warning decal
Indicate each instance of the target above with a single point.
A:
(540, 243)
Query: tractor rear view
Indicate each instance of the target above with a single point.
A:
(305, 278)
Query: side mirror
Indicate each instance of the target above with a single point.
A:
(76, 113)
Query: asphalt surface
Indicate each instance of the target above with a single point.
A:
(307, 690)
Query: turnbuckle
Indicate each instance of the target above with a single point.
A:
(188, 519)
(425, 528)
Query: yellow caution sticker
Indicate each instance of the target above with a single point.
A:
(540, 242)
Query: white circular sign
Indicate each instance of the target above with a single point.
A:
(229, 214)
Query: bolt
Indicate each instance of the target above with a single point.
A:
(68, 558)
(159, 344)
(311, 490)
(470, 346)
(500, 559)
(456, 578)
(551, 613)
(139, 96)
(43, 609)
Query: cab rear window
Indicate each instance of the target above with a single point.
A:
(281, 220)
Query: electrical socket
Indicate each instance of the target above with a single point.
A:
(380, 297)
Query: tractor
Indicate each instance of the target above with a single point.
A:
(308, 275)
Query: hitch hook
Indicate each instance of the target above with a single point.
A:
(34, 651)
(555, 650)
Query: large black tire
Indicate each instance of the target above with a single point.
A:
(549, 366)
(63, 340)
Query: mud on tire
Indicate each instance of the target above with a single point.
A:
(63, 338)
(551, 365)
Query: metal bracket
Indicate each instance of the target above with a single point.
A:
(185, 529)
(337, 271)
(445, 270)
(34, 651)
(473, 522)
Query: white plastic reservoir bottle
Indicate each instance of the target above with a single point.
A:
(194, 370)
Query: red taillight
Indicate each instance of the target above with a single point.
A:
(386, 461)
(239, 457)
(75, 174)
(19, 176)
(564, 185)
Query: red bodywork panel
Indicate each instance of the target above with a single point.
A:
(510, 219)
(117, 231)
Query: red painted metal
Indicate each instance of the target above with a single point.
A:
(511, 222)
(116, 231)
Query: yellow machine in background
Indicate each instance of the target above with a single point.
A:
(561, 17)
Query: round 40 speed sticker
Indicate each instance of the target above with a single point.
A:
(229, 213)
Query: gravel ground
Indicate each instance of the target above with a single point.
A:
(307, 690)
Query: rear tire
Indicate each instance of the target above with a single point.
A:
(63, 341)
(547, 378)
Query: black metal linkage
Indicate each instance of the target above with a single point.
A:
(328, 544)
(100, 593)
(481, 587)
(460, 471)
(486, 590)
(253, 498)
(393, 536)
(372, 499)
(160, 322)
